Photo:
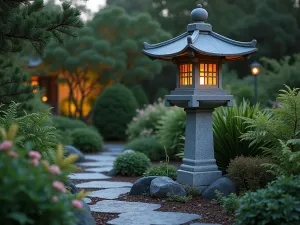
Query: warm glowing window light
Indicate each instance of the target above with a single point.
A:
(186, 74)
(44, 98)
(208, 74)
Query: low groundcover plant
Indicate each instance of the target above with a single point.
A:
(32, 190)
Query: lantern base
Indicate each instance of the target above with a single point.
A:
(201, 180)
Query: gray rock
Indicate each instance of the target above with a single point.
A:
(161, 187)
(112, 172)
(74, 189)
(153, 218)
(112, 206)
(72, 150)
(128, 151)
(85, 217)
(223, 185)
(142, 186)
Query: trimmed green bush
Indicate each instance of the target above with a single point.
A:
(140, 96)
(162, 170)
(171, 128)
(132, 164)
(249, 174)
(146, 121)
(278, 204)
(64, 123)
(149, 146)
(87, 140)
(161, 93)
(113, 111)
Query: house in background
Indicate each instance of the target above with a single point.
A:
(56, 93)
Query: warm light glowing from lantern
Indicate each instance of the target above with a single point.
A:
(208, 74)
(44, 98)
(186, 74)
(255, 71)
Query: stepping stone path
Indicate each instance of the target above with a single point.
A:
(130, 213)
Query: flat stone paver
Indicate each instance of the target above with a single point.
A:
(87, 200)
(104, 184)
(99, 169)
(112, 206)
(88, 176)
(153, 218)
(96, 164)
(205, 224)
(111, 193)
(100, 157)
(110, 153)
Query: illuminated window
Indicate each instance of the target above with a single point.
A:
(208, 74)
(186, 74)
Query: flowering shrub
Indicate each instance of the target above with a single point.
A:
(32, 190)
(146, 120)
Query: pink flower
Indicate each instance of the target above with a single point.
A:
(59, 186)
(54, 169)
(54, 198)
(13, 154)
(34, 155)
(35, 162)
(5, 145)
(77, 204)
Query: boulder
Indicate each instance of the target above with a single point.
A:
(142, 186)
(85, 217)
(74, 189)
(161, 187)
(127, 151)
(72, 150)
(223, 185)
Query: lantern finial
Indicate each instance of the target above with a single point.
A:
(199, 14)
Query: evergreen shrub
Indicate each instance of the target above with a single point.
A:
(132, 164)
(64, 123)
(113, 111)
(149, 146)
(162, 170)
(87, 140)
(140, 96)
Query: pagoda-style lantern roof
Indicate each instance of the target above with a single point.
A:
(200, 40)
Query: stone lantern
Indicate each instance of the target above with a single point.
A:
(199, 54)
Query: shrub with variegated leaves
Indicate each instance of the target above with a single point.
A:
(32, 190)
(146, 121)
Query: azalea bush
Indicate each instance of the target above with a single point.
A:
(146, 121)
(32, 189)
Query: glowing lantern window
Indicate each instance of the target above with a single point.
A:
(208, 74)
(186, 74)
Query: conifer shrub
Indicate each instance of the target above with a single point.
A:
(162, 169)
(146, 121)
(161, 93)
(132, 164)
(249, 173)
(32, 190)
(149, 146)
(140, 96)
(277, 204)
(64, 123)
(87, 140)
(113, 110)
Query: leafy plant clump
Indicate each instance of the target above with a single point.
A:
(146, 121)
(33, 191)
(132, 164)
(87, 140)
(176, 198)
(113, 110)
(279, 129)
(249, 173)
(192, 190)
(147, 145)
(162, 170)
(229, 203)
(278, 204)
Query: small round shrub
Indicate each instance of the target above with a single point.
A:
(278, 204)
(162, 170)
(64, 123)
(149, 146)
(146, 121)
(87, 140)
(140, 95)
(132, 164)
(113, 111)
(171, 129)
(249, 174)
